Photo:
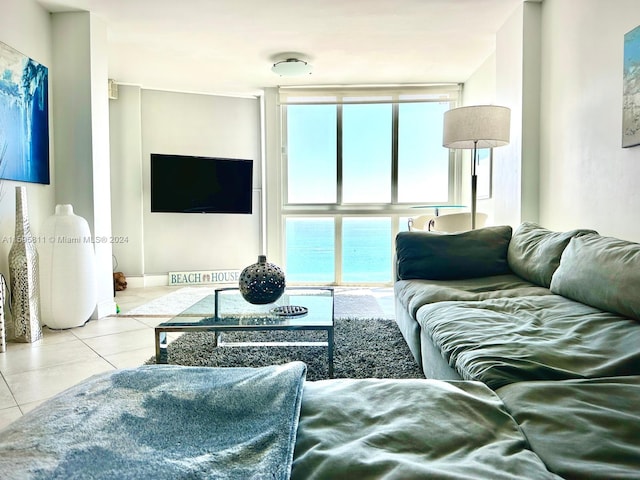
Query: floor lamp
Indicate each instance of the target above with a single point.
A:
(481, 126)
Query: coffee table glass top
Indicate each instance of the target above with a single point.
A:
(226, 308)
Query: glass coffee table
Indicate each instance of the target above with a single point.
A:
(298, 309)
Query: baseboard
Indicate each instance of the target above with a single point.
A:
(162, 280)
(104, 309)
(148, 281)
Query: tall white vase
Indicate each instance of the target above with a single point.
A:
(23, 278)
(67, 270)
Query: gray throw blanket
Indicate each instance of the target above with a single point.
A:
(162, 422)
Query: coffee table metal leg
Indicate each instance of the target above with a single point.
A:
(330, 350)
(161, 347)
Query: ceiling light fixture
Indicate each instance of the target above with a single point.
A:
(291, 67)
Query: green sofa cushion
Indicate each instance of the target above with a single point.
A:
(603, 272)
(534, 252)
(435, 256)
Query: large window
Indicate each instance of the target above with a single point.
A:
(423, 163)
(310, 252)
(354, 166)
(366, 255)
(366, 153)
(311, 143)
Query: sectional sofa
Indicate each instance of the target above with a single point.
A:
(550, 321)
(529, 341)
(498, 307)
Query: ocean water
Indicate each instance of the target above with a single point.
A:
(366, 250)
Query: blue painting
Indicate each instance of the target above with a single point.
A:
(24, 118)
(631, 89)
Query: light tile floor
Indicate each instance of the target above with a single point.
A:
(33, 372)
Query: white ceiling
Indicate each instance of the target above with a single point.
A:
(229, 46)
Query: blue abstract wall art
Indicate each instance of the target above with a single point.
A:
(24, 118)
(631, 89)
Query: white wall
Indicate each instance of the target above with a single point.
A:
(82, 134)
(273, 177)
(479, 89)
(72, 118)
(511, 77)
(184, 124)
(587, 178)
(516, 166)
(559, 67)
(101, 182)
(125, 125)
(28, 30)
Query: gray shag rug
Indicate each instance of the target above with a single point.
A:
(364, 348)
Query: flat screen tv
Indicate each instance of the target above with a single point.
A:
(188, 184)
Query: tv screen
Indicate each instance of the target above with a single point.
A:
(187, 184)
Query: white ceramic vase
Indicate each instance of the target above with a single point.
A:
(67, 270)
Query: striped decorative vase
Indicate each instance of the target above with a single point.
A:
(3, 296)
(24, 278)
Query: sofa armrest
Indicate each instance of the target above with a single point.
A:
(436, 256)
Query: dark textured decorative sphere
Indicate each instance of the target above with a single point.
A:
(262, 282)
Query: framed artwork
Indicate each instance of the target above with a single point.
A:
(24, 118)
(631, 89)
(484, 170)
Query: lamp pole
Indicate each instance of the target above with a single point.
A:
(474, 184)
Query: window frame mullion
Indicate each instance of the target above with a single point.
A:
(395, 129)
(337, 260)
(337, 250)
(339, 165)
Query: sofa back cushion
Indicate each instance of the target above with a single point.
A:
(534, 252)
(603, 272)
(438, 256)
